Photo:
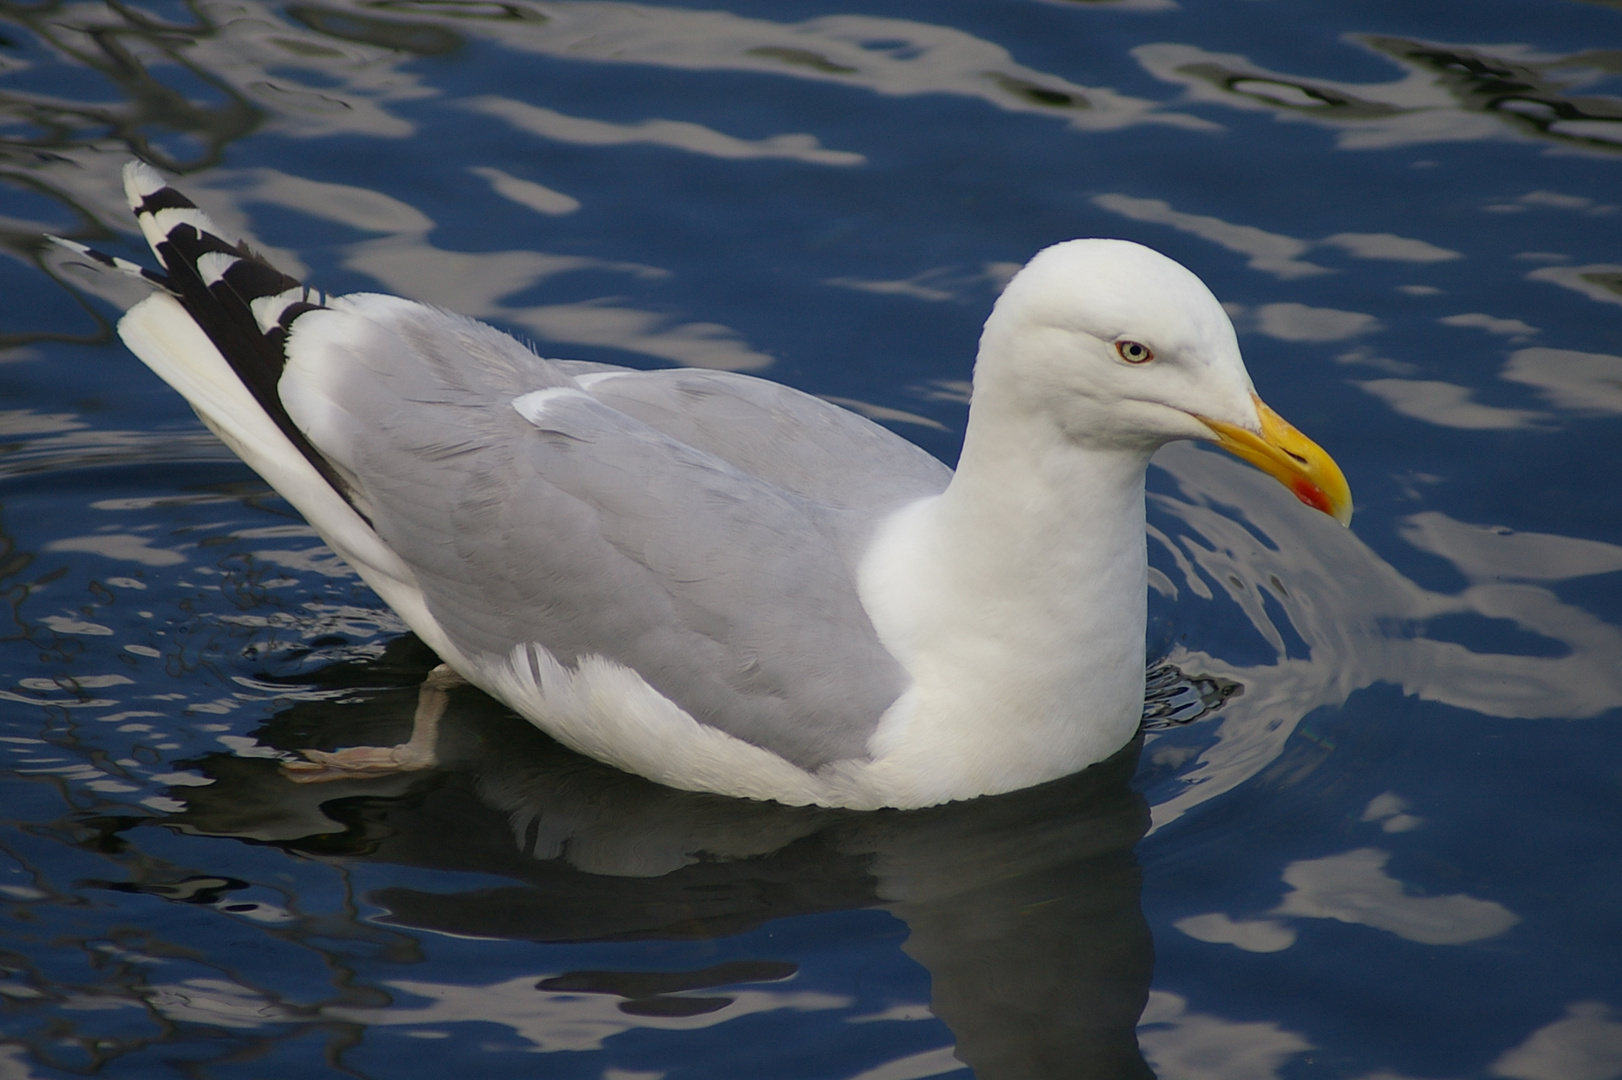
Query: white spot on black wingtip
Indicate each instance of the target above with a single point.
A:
(171, 218)
(141, 180)
(269, 311)
(212, 265)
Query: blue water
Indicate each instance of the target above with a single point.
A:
(1392, 852)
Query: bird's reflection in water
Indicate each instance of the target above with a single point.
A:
(1024, 908)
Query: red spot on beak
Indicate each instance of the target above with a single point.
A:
(1311, 494)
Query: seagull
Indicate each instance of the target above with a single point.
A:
(713, 580)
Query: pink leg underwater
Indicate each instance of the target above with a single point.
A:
(359, 762)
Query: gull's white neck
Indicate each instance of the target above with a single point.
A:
(1016, 600)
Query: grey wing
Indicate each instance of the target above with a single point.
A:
(790, 439)
(590, 532)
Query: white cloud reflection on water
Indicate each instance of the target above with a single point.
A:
(1585, 383)
(680, 134)
(1353, 887)
(1580, 383)
(1185, 1045)
(1448, 405)
(1251, 935)
(538, 197)
(1299, 322)
(1488, 553)
(1597, 281)
(1391, 247)
(1585, 1045)
(1391, 811)
(1511, 328)
(125, 547)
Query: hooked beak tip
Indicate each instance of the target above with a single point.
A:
(1290, 458)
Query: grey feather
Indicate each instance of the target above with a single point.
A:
(794, 441)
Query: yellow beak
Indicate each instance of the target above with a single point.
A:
(1291, 458)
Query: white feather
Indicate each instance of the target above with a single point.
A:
(591, 379)
(141, 180)
(212, 265)
(532, 405)
(267, 310)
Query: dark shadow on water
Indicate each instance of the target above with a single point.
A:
(1025, 908)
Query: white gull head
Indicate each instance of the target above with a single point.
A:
(1117, 345)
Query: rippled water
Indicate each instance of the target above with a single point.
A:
(1381, 844)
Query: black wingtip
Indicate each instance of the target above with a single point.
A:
(244, 304)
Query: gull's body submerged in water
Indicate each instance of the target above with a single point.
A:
(715, 581)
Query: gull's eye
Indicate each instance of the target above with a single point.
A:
(1133, 352)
